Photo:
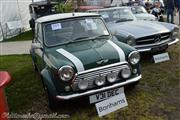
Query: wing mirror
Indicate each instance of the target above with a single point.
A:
(36, 46)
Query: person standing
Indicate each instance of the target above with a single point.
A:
(170, 10)
(178, 8)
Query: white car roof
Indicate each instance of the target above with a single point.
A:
(63, 16)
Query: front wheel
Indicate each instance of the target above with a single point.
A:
(53, 103)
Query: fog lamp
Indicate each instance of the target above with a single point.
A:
(83, 84)
(126, 73)
(134, 71)
(112, 77)
(100, 80)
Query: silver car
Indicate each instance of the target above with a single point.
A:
(143, 35)
(141, 14)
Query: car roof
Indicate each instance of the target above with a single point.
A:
(111, 8)
(64, 16)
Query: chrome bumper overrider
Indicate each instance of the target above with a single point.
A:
(148, 48)
(76, 95)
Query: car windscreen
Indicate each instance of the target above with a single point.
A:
(138, 10)
(73, 30)
(117, 15)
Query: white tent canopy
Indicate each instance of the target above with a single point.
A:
(13, 10)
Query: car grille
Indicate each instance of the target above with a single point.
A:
(91, 76)
(153, 39)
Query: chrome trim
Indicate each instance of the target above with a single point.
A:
(145, 40)
(152, 44)
(149, 49)
(60, 70)
(76, 95)
(94, 69)
(162, 37)
(92, 76)
(144, 50)
(173, 42)
(131, 54)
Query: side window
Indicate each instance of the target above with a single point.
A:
(30, 9)
(39, 33)
(35, 31)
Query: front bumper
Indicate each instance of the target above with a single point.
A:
(77, 95)
(146, 48)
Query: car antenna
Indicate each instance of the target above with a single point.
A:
(73, 14)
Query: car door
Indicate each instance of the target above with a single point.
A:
(39, 53)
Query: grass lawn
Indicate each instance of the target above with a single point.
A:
(28, 35)
(156, 97)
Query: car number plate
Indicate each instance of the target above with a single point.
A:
(161, 57)
(105, 95)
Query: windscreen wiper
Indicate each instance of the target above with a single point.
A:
(80, 38)
(123, 20)
(100, 36)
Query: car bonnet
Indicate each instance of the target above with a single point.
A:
(87, 54)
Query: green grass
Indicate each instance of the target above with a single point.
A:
(156, 97)
(28, 35)
(25, 86)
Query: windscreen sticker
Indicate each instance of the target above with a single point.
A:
(89, 21)
(126, 10)
(91, 25)
(56, 26)
(105, 16)
(106, 32)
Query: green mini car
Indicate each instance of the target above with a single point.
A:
(76, 56)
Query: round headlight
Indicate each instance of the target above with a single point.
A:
(174, 33)
(100, 80)
(125, 73)
(66, 73)
(112, 77)
(131, 40)
(83, 84)
(134, 57)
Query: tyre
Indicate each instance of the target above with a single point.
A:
(34, 65)
(52, 102)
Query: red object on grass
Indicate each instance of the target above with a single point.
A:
(5, 78)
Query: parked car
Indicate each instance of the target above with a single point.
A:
(76, 56)
(161, 1)
(143, 35)
(141, 14)
(40, 9)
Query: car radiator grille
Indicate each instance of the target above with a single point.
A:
(91, 76)
(153, 39)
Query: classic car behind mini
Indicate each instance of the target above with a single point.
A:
(141, 14)
(77, 56)
(143, 35)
